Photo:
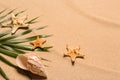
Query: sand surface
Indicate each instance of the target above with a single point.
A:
(92, 24)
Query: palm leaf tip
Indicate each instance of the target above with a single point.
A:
(3, 11)
(20, 12)
(32, 20)
(47, 48)
(1, 17)
(45, 59)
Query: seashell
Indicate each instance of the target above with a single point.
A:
(31, 62)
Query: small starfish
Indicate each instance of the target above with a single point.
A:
(16, 23)
(73, 54)
(38, 43)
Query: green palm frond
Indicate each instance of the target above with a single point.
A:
(28, 47)
(19, 34)
(28, 39)
(13, 45)
(8, 52)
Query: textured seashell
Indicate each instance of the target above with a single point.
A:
(31, 62)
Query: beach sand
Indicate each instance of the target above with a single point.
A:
(92, 24)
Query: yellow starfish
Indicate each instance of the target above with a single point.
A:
(38, 43)
(73, 54)
(16, 23)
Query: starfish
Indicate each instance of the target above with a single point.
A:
(16, 23)
(38, 43)
(73, 54)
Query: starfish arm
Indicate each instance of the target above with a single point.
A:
(65, 55)
(13, 16)
(68, 48)
(40, 45)
(14, 29)
(7, 25)
(73, 59)
(77, 48)
(26, 25)
(80, 56)
(34, 46)
(32, 42)
(22, 19)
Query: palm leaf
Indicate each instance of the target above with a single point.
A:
(6, 47)
(3, 74)
(7, 62)
(3, 11)
(45, 60)
(32, 20)
(18, 51)
(8, 53)
(28, 47)
(1, 17)
(21, 34)
(20, 12)
(26, 39)
(5, 33)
